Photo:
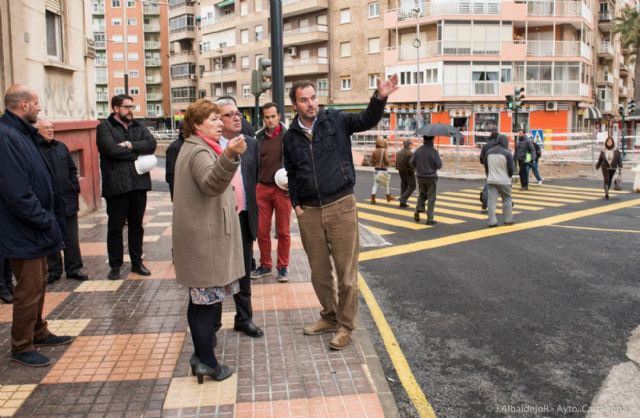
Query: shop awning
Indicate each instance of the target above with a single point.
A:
(593, 113)
(225, 3)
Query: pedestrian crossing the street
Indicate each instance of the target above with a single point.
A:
(461, 206)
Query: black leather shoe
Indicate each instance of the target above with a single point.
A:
(5, 295)
(78, 276)
(53, 340)
(140, 269)
(114, 273)
(31, 359)
(52, 278)
(249, 329)
(218, 374)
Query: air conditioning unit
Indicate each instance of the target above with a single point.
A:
(293, 51)
(551, 106)
(193, 77)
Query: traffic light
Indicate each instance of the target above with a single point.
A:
(261, 78)
(621, 109)
(509, 101)
(519, 96)
(632, 107)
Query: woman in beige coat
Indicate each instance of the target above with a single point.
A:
(380, 163)
(207, 244)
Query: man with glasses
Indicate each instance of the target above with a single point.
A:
(231, 128)
(65, 177)
(121, 139)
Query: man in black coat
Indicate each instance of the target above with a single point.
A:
(232, 127)
(171, 157)
(6, 281)
(407, 173)
(30, 225)
(121, 140)
(65, 175)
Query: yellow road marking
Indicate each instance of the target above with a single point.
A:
(577, 193)
(406, 213)
(388, 221)
(552, 186)
(490, 232)
(445, 196)
(400, 363)
(631, 231)
(378, 231)
(527, 201)
(579, 198)
(474, 208)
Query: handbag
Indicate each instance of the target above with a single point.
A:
(617, 182)
(383, 178)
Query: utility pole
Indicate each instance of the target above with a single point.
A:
(126, 42)
(277, 51)
(417, 43)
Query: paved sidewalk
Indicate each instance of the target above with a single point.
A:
(131, 354)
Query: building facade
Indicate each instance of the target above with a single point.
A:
(215, 45)
(132, 48)
(473, 53)
(47, 44)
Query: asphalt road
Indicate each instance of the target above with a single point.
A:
(533, 318)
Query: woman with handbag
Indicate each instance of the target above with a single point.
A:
(610, 161)
(380, 163)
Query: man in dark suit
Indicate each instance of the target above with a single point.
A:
(232, 126)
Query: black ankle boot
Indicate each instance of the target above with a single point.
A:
(218, 374)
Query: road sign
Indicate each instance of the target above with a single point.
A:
(537, 135)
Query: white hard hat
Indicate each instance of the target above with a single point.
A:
(145, 163)
(282, 181)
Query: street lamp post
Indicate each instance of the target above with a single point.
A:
(417, 43)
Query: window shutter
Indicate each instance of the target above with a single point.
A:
(54, 6)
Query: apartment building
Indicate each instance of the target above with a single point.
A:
(47, 44)
(132, 43)
(216, 44)
(473, 53)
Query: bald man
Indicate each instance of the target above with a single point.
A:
(65, 176)
(30, 228)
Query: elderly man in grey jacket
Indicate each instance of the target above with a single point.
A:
(427, 162)
(499, 167)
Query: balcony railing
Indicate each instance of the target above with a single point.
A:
(554, 8)
(154, 96)
(604, 77)
(604, 16)
(553, 88)
(102, 97)
(437, 48)
(455, 7)
(101, 79)
(553, 48)
(153, 79)
(605, 105)
(152, 62)
(623, 91)
(306, 29)
(486, 88)
(98, 28)
(152, 27)
(97, 7)
(102, 62)
(152, 45)
(151, 9)
(605, 48)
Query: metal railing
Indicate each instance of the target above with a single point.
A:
(553, 48)
(306, 29)
(455, 7)
(554, 8)
(606, 48)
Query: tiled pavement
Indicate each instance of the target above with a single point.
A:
(131, 354)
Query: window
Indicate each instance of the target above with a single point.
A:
(182, 71)
(373, 84)
(244, 36)
(432, 76)
(118, 56)
(133, 56)
(304, 56)
(133, 39)
(131, 3)
(244, 7)
(118, 74)
(54, 35)
(183, 93)
(116, 21)
(244, 63)
(132, 21)
(134, 91)
(345, 83)
(117, 38)
(345, 16)
(374, 45)
(179, 23)
(323, 87)
(258, 5)
(134, 74)
(115, 3)
(118, 90)
(246, 91)
(345, 49)
(374, 10)
(258, 32)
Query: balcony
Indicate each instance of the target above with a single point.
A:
(151, 9)
(551, 8)
(102, 62)
(102, 79)
(102, 97)
(185, 32)
(605, 106)
(151, 44)
(182, 57)
(604, 77)
(554, 48)
(98, 28)
(226, 74)
(299, 7)
(153, 79)
(485, 88)
(219, 24)
(306, 66)
(605, 50)
(154, 97)
(605, 21)
(623, 91)
(553, 88)
(152, 62)
(306, 35)
(624, 70)
(451, 8)
(152, 27)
